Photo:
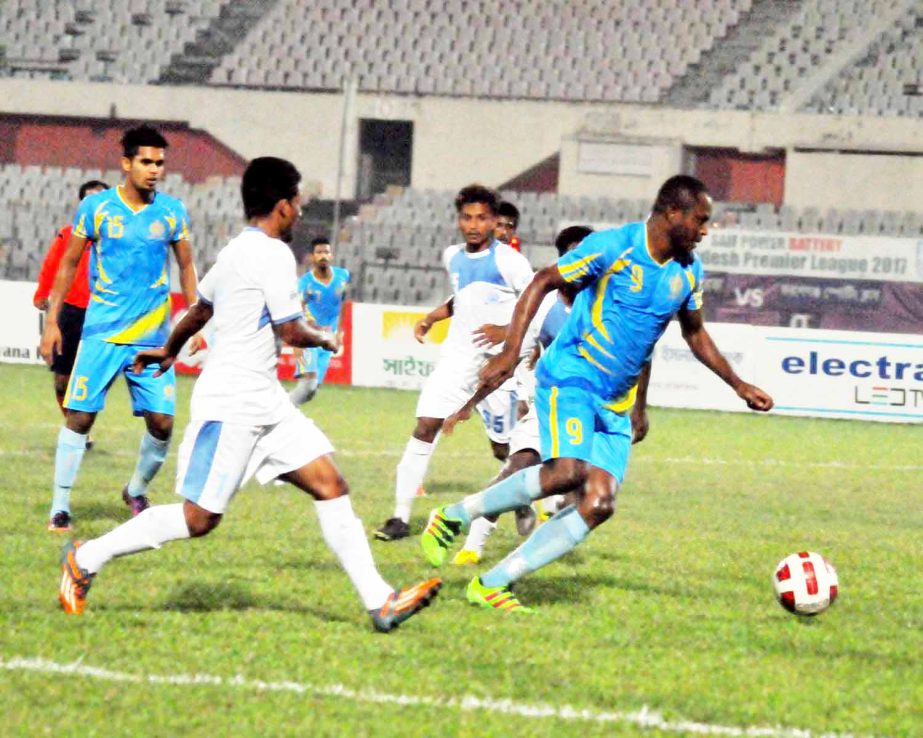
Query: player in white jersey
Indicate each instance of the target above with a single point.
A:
(487, 278)
(242, 423)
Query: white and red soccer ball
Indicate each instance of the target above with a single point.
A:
(805, 583)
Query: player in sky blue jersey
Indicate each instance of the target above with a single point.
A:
(323, 292)
(630, 282)
(133, 228)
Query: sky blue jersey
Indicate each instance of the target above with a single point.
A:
(129, 265)
(625, 302)
(323, 302)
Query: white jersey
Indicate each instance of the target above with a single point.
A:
(252, 286)
(486, 285)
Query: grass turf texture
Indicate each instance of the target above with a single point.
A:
(669, 605)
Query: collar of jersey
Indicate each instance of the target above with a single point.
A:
(479, 254)
(118, 191)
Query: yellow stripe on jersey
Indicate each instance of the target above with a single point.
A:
(577, 269)
(586, 355)
(691, 277)
(596, 314)
(80, 228)
(98, 217)
(143, 325)
(591, 339)
(99, 288)
(97, 298)
(624, 403)
(553, 422)
(162, 279)
(99, 265)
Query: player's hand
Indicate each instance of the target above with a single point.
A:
(329, 341)
(196, 344)
(153, 356)
(50, 343)
(420, 329)
(489, 335)
(459, 416)
(497, 370)
(41, 303)
(755, 398)
(639, 424)
(341, 341)
(533, 358)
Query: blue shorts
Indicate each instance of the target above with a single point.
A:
(314, 361)
(573, 423)
(97, 365)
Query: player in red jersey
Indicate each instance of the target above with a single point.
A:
(75, 302)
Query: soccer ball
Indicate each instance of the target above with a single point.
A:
(805, 583)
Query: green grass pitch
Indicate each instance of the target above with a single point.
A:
(662, 623)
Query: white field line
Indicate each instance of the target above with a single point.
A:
(643, 718)
(353, 453)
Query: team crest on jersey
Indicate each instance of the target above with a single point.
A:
(157, 229)
(676, 286)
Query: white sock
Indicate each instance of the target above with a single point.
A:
(478, 533)
(345, 536)
(410, 473)
(151, 529)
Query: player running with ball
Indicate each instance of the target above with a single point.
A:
(630, 281)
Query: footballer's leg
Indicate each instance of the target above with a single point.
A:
(212, 461)
(155, 399)
(345, 537)
(448, 388)
(96, 365)
(411, 471)
(481, 528)
(559, 536)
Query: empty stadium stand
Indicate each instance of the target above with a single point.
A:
(35, 202)
(746, 54)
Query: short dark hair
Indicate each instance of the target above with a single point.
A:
(319, 241)
(92, 184)
(571, 235)
(267, 180)
(477, 193)
(144, 135)
(679, 192)
(509, 210)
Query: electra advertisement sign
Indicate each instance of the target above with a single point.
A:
(849, 374)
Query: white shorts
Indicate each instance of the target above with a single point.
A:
(525, 434)
(216, 458)
(452, 384)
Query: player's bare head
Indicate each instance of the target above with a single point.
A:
(570, 237)
(143, 150)
(684, 205)
(507, 221)
(477, 206)
(270, 191)
(91, 187)
(321, 251)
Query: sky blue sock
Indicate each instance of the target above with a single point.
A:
(151, 456)
(515, 491)
(550, 541)
(67, 458)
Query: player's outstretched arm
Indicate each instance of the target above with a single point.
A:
(705, 350)
(193, 321)
(67, 269)
(443, 312)
(500, 368)
(298, 334)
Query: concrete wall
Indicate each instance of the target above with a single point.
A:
(457, 141)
